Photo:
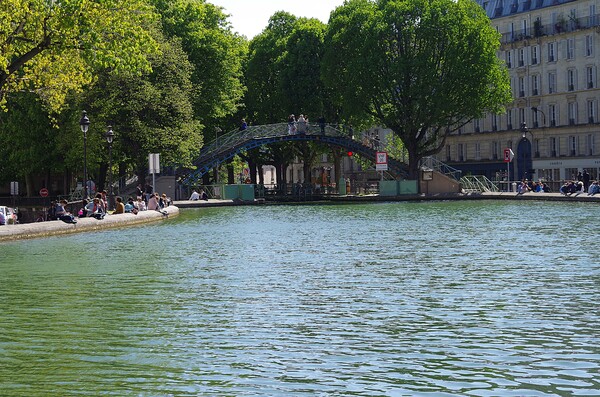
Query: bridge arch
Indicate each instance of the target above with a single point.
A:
(226, 147)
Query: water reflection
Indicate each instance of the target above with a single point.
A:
(480, 299)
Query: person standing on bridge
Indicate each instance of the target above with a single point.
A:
(322, 124)
(244, 125)
(301, 124)
(291, 124)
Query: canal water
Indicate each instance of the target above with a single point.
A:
(392, 299)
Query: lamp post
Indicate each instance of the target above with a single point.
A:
(535, 110)
(84, 123)
(110, 136)
(525, 161)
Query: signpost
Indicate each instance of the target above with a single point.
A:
(154, 167)
(381, 162)
(508, 157)
(44, 192)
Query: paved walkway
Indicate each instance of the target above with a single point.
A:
(52, 228)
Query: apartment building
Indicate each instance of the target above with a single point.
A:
(551, 49)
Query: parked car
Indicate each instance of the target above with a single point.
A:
(9, 215)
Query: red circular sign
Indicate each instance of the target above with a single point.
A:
(44, 192)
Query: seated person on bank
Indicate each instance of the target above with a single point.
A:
(195, 195)
(95, 209)
(131, 206)
(63, 214)
(120, 207)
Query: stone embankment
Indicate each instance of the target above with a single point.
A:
(52, 228)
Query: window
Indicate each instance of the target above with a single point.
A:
(573, 145)
(571, 80)
(554, 147)
(590, 143)
(521, 54)
(521, 116)
(572, 110)
(551, 52)
(494, 122)
(495, 150)
(591, 111)
(590, 76)
(461, 152)
(476, 125)
(448, 157)
(536, 120)
(509, 125)
(534, 55)
(570, 48)
(553, 115)
(534, 85)
(477, 151)
(551, 82)
(521, 87)
(525, 27)
(589, 45)
(536, 147)
(508, 58)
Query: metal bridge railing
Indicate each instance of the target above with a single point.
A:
(436, 165)
(478, 184)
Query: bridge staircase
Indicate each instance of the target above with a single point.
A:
(477, 184)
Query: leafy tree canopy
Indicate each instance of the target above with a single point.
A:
(51, 47)
(420, 67)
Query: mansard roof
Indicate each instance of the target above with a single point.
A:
(503, 8)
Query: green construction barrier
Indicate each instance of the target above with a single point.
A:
(238, 192)
(231, 192)
(398, 188)
(247, 192)
(408, 187)
(342, 187)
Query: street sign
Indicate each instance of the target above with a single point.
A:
(508, 155)
(44, 192)
(381, 161)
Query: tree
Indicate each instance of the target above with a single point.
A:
(216, 53)
(151, 113)
(422, 68)
(51, 47)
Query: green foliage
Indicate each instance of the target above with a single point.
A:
(216, 53)
(53, 47)
(151, 113)
(420, 67)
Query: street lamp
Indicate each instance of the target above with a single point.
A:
(535, 110)
(110, 136)
(525, 161)
(84, 123)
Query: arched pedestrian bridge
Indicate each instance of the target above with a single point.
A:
(227, 146)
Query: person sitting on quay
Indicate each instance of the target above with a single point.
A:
(131, 207)
(153, 203)
(568, 188)
(523, 188)
(63, 214)
(119, 206)
(141, 204)
(203, 195)
(594, 188)
(164, 201)
(195, 196)
(95, 209)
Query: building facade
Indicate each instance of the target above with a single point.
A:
(551, 50)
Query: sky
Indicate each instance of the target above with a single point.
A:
(250, 17)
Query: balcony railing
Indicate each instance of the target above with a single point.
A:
(561, 26)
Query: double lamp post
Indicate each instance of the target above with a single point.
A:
(84, 123)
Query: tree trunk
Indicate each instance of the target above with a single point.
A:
(230, 174)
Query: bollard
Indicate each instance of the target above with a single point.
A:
(514, 187)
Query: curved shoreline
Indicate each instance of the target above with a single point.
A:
(54, 228)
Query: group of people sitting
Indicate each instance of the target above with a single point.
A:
(195, 196)
(98, 207)
(530, 186)
(577, 187)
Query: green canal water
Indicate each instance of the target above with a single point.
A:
(398, 299)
